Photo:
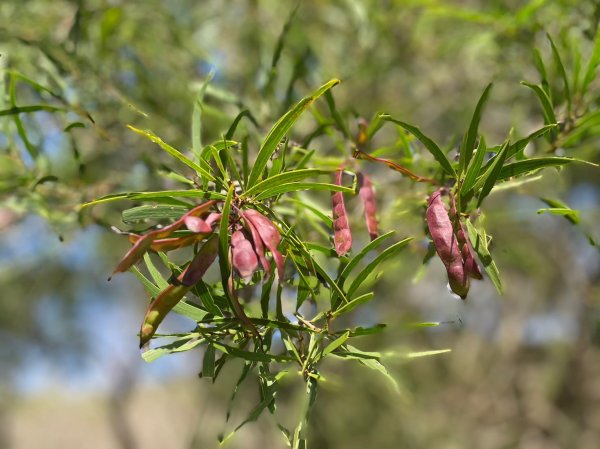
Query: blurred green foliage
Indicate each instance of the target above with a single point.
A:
(524, 367)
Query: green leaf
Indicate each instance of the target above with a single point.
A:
(335, 344)
(376, 365)
(490, 176)
(224, 241)
(480, 245)
(437, 153)
(283, 178)
(250, 356)
(297, 186)
(15, 110)
(473, 168)
(280, 129)
(547, 109)
(208, 362)
(530, 165)
(468, 144)
(386, 254)
(197, 116)
(413, 355)
(363, 299)
(152, 212)
(156, 196)
(539, 64)
(173, 152)
(557, 207)
(520, 145)
(563, 74)
(590, 72)
(569, 214)
(180, 345)
(361, 255)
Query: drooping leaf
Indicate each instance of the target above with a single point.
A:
(173, 152)
(436, 152)
(528, 166)
(545, 101)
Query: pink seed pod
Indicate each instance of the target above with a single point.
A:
(197, 224)
(173, 293)
(468, 254)
(201, 262)
(258, 247)
(269, 234)
(466, 250)
(144, 243)
(244, 257)
(367, 195)
(342, 237)
(446, 244)
(213, 218)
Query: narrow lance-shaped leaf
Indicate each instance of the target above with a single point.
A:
(468, 144)
(173, 152)
(433, 148)
(529, 165)
(590, 72)
(342, 237)
(367, 195)
(563, 74)
(280, 129)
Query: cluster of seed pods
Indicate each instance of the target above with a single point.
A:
(451, 244)
(251, 235)
(342, 236)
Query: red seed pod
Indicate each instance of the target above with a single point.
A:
(446, 244)
(367, 195)
(244, 257)
(342, 237)
(269, 234)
